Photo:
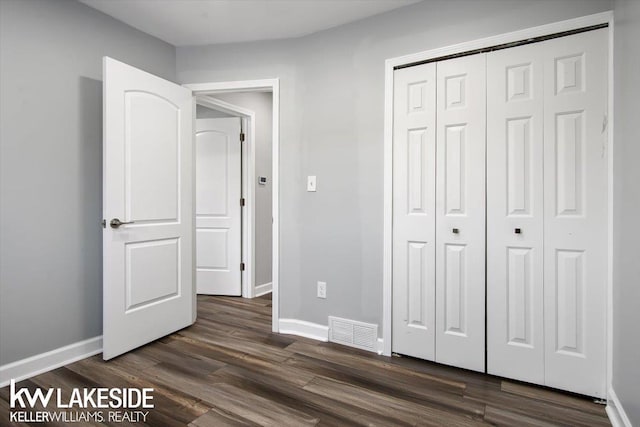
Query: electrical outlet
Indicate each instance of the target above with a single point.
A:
(322, 289)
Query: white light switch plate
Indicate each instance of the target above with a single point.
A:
(311, 183)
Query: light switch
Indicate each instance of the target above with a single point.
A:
(311, 183)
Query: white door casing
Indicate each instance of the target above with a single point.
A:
(515, 335)
(218, 210)
(147, 180)
(575, 228)
(414, 211)
(460, 212)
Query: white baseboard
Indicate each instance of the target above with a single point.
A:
(615, 411)
(44, 362)
(262, 289)
(303, 329)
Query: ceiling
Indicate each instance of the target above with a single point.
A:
(200, 22)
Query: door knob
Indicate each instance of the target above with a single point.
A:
(455, 231)
(518, 231)
(115, 223)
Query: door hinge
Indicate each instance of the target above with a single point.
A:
(242, 201)
(241, 136)
(242, 266)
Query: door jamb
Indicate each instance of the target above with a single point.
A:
(262, 85)
(248, 188)
(390, 64)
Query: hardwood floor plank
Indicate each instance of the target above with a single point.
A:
(257, 409)
(547, 395)
(219, 418)
(503, 417)
(395, 384)
(257, 349)
(544, 411)
(344, 357)
(401, 410)
(313, 404)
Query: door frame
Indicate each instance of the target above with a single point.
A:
(248, 159)
(539, 31)
(262, 85)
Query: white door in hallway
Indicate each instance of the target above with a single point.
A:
(414, 154)
(147, 189)
(515, 200)
(218, 210)
(575, 227)
(460, 212)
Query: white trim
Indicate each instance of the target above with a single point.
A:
(263, 289)
(380, 347)
(261, 85)
(248, 186)
(557, 27)
(304, 329)
(610, 222)
(44, 362)
(615, 411)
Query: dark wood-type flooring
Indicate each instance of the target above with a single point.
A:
(228, 369)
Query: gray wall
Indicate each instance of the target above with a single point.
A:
(260, 103)
(208, 113)
(332, 107)
(626, 291)
(51, 167)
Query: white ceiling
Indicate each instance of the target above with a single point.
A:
(199, 22)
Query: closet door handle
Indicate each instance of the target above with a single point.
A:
(455, 231)
(518, 231)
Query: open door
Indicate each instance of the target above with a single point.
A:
(148, 208)
(218, 210)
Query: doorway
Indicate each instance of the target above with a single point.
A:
(220, 97)
(233, 149)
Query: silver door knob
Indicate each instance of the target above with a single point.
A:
(115, 223)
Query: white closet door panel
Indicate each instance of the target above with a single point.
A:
(515, 331)
(460, 212)
(413, 211)
(575, 176)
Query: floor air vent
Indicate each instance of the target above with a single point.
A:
(353, 333)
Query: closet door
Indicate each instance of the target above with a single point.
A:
(515, 325)
(413, 211)
(575, 175)
(460, 212)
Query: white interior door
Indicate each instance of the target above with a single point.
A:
(575, 186)
(218, 210)
(460, 212)
(147, 188)
(515, 100)
(414, 154)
